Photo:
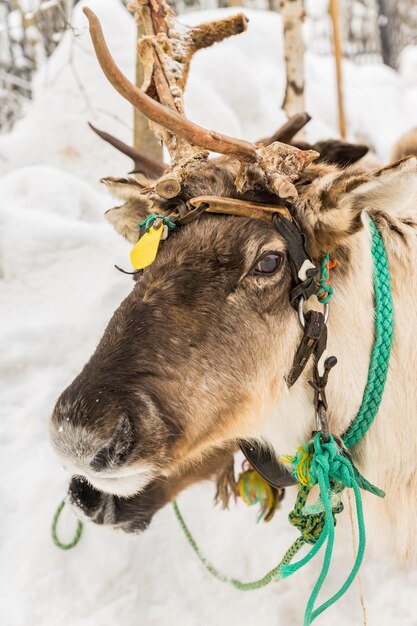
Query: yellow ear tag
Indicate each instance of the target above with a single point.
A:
(145, 251)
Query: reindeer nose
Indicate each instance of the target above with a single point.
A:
(91, 445)
(115, 453)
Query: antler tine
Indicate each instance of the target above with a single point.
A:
(142, 163)
(287, 131)
(160, 114)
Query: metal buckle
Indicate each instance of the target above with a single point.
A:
(301, 317)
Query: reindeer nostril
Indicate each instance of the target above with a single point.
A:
(118, 449)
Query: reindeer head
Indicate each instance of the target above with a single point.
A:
(196, 357)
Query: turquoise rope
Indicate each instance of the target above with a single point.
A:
(358, 560)
(325, 290)
(329, 465)
(381, 350)
(329, 469)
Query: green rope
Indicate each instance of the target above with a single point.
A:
(78, 531)
(148, 221)
(327, 467)
(381, 350)
(325, 290)
(272, 576)
(332, 471)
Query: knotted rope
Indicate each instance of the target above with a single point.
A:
(332, 471)
(323, 464)
(325, 290)
(148, 221)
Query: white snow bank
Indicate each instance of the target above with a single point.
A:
(58, 289)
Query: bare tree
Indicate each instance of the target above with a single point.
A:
(25, 36)
(293, 14)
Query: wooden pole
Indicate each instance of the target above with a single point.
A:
(292, 12)
(337, 48)
(144, 138)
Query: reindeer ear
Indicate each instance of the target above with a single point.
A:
(125, 218)
(340, 152)
(330, 208)
(390, 188)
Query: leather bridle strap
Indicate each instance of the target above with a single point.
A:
(313, 343)
(231, 206)
(314, 337)
(303, 273)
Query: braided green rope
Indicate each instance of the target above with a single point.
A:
(381, 350)
(55, 539)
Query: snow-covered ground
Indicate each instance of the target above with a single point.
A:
(58, 288)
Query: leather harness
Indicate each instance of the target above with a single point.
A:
(314, 340)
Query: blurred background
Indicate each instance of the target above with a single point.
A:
(372, 31)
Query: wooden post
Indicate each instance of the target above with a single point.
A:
(337, 48)
(144, 138)
(292, 12)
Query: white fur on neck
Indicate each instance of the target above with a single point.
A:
(291, 422)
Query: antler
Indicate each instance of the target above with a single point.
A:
(166, 55)
(162, 114)
(287, 131)
(142, 163)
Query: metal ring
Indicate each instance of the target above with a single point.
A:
(301, 312)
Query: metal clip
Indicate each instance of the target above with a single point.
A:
(301, 317)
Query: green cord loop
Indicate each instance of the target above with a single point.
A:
(273, 575)
(148, 221)
(78, 531)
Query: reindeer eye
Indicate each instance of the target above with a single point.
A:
(267, 264)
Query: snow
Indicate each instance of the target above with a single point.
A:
(58, 288)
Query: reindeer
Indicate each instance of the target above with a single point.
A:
(197, 358)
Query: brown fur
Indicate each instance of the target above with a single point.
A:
(196, 356)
